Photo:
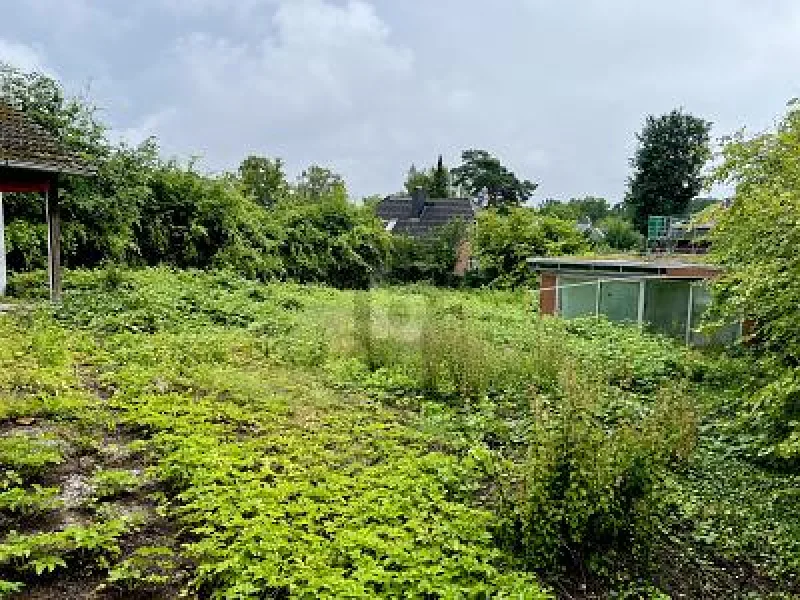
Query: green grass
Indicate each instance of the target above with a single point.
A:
(296, 441)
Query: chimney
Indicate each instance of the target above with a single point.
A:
(418, 198)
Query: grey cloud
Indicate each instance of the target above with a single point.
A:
(557, 90)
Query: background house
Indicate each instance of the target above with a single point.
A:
(419, 216)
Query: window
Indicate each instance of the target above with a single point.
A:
(577, 297)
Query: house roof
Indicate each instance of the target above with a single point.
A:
(396, 211)
(666, 267)
(25, 145)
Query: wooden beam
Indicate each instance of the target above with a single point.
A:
(53, 212)
(22, 186)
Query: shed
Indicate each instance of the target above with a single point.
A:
(31, 160)
(664, 296)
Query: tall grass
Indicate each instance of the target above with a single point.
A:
(579, 487)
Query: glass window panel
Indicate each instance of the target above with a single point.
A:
(619, 300)
(666, 306)
(577, 297)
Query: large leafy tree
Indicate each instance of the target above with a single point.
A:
(316, 183)
(668, 166)
(264, 179)
(757, 240)
(480, 171)
(577, 209)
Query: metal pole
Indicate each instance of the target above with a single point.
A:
(3, 275)
(557, 307)
(597, 299)
(640, 313)
(49, 242)
(54, 240)
(689, 315)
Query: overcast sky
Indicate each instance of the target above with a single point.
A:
(557, 90)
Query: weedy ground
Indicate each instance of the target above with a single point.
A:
(181, 434)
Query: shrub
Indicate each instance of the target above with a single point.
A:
(583, 494)
(504, 241)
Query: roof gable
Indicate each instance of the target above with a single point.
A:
(436, 213)
(26, 145)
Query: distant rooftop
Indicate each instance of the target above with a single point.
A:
(26, 145)
(420, 216)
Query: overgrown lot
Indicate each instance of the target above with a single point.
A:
(184, 433)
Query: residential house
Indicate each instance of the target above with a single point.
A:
(418, 216)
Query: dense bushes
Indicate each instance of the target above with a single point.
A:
(431, 258)
(757, 241)
(504, 241)
(142, 210)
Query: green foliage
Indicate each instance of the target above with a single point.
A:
(17, 500)
(620, 234)
(111, 483)
(264, 180)
(331, 241)
(432, 258)
(440, 182)
(577, 209)
(504, 241)
(141, 210)
(72, 121)
(584, 491)
(317, 183)
(39, 553)
(481, 171)
(756, 241)
(9, 588)
(667, 167)
(308, 442)
(28, 456)
(147, 568)
(435, 182)
(418, 179)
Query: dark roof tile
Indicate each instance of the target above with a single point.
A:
(26, 145)
(437, 212)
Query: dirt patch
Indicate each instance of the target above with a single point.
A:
(72, 587)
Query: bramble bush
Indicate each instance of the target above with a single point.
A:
(756, 240)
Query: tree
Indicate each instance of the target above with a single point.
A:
(331, 241)
(667, 167)
(316, 182)
(756, 240)
(620, 234)
(431, 258)
(418, 179)
(758, 237)
(264, 179)
(577, 209)
(481, 171)
(440, 181)
(504, 241)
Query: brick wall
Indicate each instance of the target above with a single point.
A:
(547, 293)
